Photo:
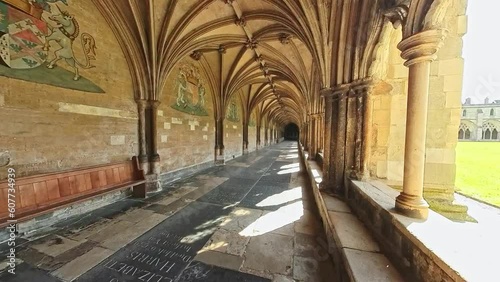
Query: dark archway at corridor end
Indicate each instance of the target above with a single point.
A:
(292, 132)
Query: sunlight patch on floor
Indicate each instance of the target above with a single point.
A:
(294, 165)
(274, 220)
(281, 198)
(289, 171)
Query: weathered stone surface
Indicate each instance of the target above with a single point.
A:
(334, 204)
(227, 261)
(226, 242)
(199, 271)
(25, 273)
(166, 249)
(368, 266)
(305, 269)
(352, 233)
(55, 245)
(82, 264)
(270, 252)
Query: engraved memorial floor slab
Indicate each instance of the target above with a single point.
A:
(165, 251)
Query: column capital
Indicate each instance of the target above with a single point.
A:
(155, 104)
(422, 47)
(335, 92)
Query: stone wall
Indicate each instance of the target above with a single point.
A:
(389, 107)
(185, 139)
(233, 139)
(51, 128)
(252, 138)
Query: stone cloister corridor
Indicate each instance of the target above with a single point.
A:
(235, 140)
(255, 215)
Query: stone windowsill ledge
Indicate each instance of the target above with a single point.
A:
(463, 250)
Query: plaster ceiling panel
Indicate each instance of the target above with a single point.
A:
(225, 30)
(304, 53)
(257, 25)
(287, 51)
(251, 5)
(213, 12)
(247, 56)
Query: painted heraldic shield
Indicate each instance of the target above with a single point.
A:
(22, 37)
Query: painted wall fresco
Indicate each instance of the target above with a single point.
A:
(190, 91)
(47, 128)
(252, 122)
(36, 35)
(185, 139)
(232, 113)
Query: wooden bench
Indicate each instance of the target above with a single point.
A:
(39, 194)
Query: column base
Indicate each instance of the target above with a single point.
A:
(152, 183)
(220, 160)
(412, 206)
(245, 151)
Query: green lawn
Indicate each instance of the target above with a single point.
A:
(478, 170)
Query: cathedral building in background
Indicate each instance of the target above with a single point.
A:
(480, 122)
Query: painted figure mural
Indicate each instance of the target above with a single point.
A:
(232, 112)
(252, 122)
(190, 91)
(37, 33)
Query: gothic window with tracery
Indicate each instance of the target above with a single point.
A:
(463, 132)
(490, 132)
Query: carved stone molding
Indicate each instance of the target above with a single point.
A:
(397, 15)
(222, 49)
(251, 44)
(422, 46)
(196, 55)
(240, 22)
(285, 38)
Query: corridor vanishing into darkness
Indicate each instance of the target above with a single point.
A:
(253, 219)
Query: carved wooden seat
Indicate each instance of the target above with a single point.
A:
(39, 194)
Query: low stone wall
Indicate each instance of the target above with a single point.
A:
(355, 254)
(373, 203)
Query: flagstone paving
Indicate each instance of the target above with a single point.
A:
(253, 219)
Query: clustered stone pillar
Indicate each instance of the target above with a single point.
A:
(312, 150)
(219, 141)
(419, 51)
(335, 137)
(258, 137)
(154, 157)
(305, 133)
(245, 137)
(367, 104)
(266, 135)
(143, 154)
(327, 144)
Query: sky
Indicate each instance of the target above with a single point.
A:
(482, 51)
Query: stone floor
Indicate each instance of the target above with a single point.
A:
(251, 220)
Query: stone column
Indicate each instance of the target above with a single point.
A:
(367, 133)
(327, 127)
(266, 135)
(219, 141)
(143, 152)
(333, 158)
(154, 157)
(419, 51)
(340, 145)
(312, 141)
(322, 132)
(258, 137)
(245, 138)
(306, 135)
(479, 130)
